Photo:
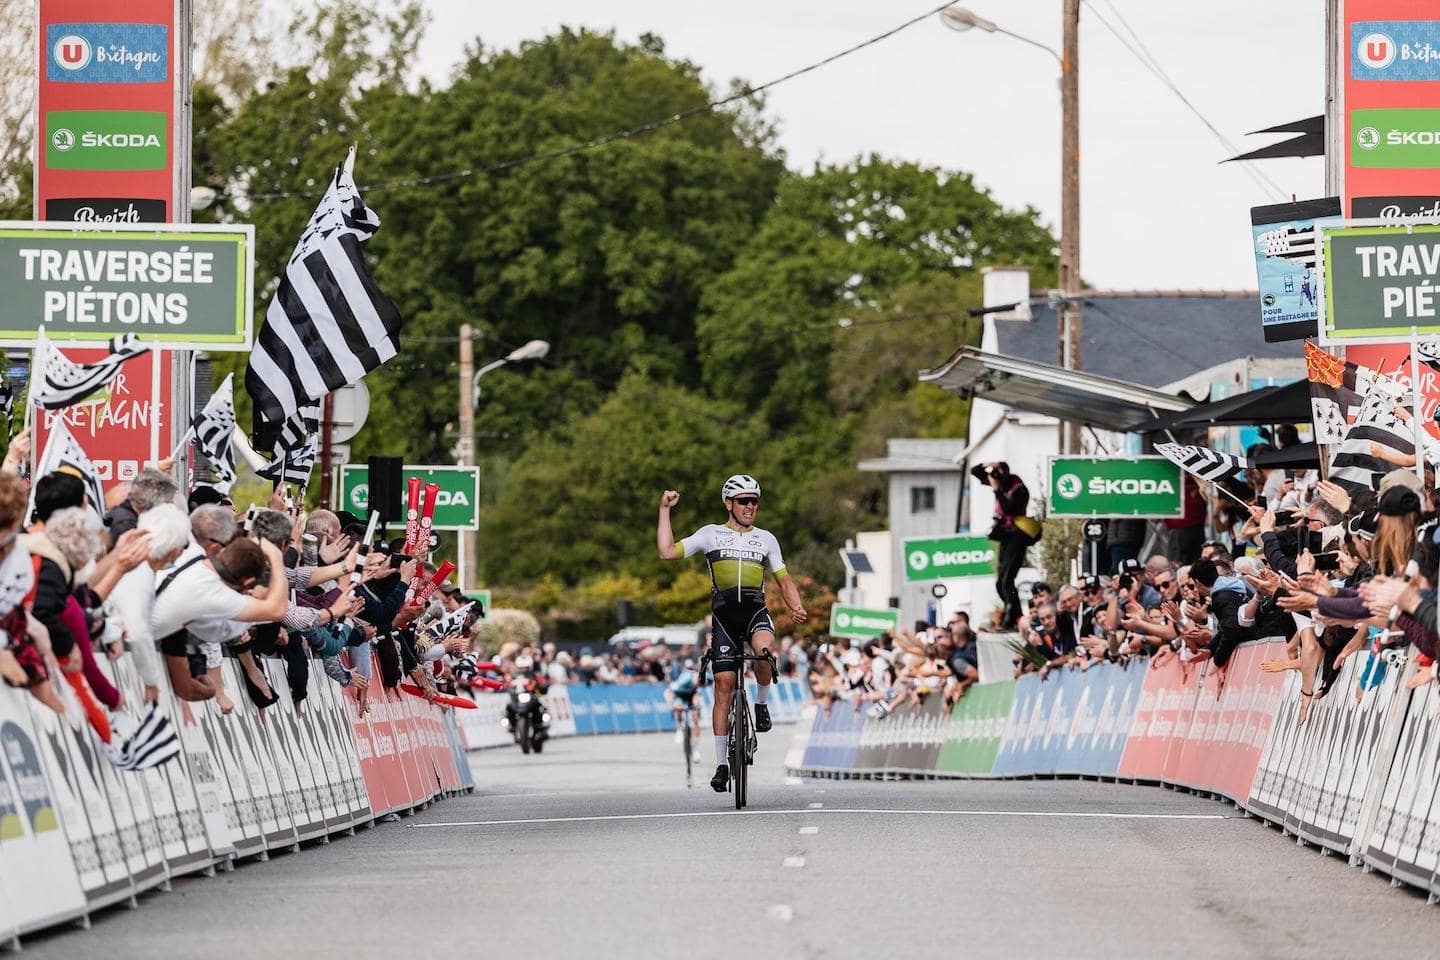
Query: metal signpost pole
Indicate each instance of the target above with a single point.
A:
(180, 365)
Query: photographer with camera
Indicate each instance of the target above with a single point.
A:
(1013, 530)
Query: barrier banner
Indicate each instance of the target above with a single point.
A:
(800, 739)
(1162, 717)
(871, 738)
(912, 734)
(1231, 722)
(41, 880)
(1404, 844)
(1338, 743)
(298, 784)
(142, 847)
(972, 736)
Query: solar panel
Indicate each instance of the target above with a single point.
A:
(857, 561)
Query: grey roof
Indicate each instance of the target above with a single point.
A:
(1150, 338)
(914, 455)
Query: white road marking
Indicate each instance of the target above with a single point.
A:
(794, 862)
(781, 912)
(793, 781)
(853, 811)
(809, 831)
(819, 791)
(816, 806)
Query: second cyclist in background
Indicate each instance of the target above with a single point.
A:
(684, 695)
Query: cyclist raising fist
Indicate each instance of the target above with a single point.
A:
(737, 552)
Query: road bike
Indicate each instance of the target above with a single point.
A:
(682, 712)
(743, 742)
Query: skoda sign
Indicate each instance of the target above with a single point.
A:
(1149, 487)
(858, 623)
(947, 558)
(457, 503)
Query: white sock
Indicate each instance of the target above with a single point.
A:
(722, 750)
(762, 691)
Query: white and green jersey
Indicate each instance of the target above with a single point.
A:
(737, 560)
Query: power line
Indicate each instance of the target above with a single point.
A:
(1138, 49)
(626, 134)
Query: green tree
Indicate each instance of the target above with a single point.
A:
(583, 501)
(840, 240)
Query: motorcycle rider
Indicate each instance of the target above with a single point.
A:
(523, 677)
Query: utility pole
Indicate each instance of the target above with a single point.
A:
(466, 446)
(1069, 310)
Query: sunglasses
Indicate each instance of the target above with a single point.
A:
(1162, 584)
(746, 501)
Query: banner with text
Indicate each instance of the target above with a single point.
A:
(177, 285)
(948, 558)
(1148, 487)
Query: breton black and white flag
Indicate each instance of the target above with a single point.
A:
(63, 454)
(296, 446)
(214, 430)
(57, 382)
(328, 324)
(141, 745)
(1379, 441)
(1203, 462)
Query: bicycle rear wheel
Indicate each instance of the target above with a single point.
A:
(739, 736)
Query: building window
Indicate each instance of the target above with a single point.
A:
(922, 499)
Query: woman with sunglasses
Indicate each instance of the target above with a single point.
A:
(737, 552)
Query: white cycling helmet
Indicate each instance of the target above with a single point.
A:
(523, 662)
(738, 484)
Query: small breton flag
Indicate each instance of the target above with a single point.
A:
(214, 428)
(57, 382)
(63, 454)
(140, 745)
(1203, 462)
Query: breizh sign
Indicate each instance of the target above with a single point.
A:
(1379, 281)
(1146, 487)
(458, 500)
(182, 285)
(947, 558)
(858, 623)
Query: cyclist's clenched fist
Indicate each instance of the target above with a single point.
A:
(668, 499)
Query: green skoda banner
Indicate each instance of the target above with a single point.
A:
(458, 500)
(1380, 282)
(106, 139)
(178, 285)
(858, 623)
(1148, 487)
(947, 558)
(1398, 138)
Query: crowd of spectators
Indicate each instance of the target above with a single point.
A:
(1330, 572)
(180, 581)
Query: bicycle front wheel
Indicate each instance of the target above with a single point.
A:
(689, 761)
(739, 736)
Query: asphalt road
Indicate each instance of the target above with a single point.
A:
(597, 849)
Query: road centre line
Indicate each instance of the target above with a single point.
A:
(690, 814)
(794, 862)
(809, 831)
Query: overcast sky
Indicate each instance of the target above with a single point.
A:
(1157, 210)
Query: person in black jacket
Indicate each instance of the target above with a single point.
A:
(1233, 612)
(1012, 499)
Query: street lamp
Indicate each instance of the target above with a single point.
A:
(961, 19)
(534, 350)
(1068, 307)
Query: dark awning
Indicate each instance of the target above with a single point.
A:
(1301, 456)
(1287, 404)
